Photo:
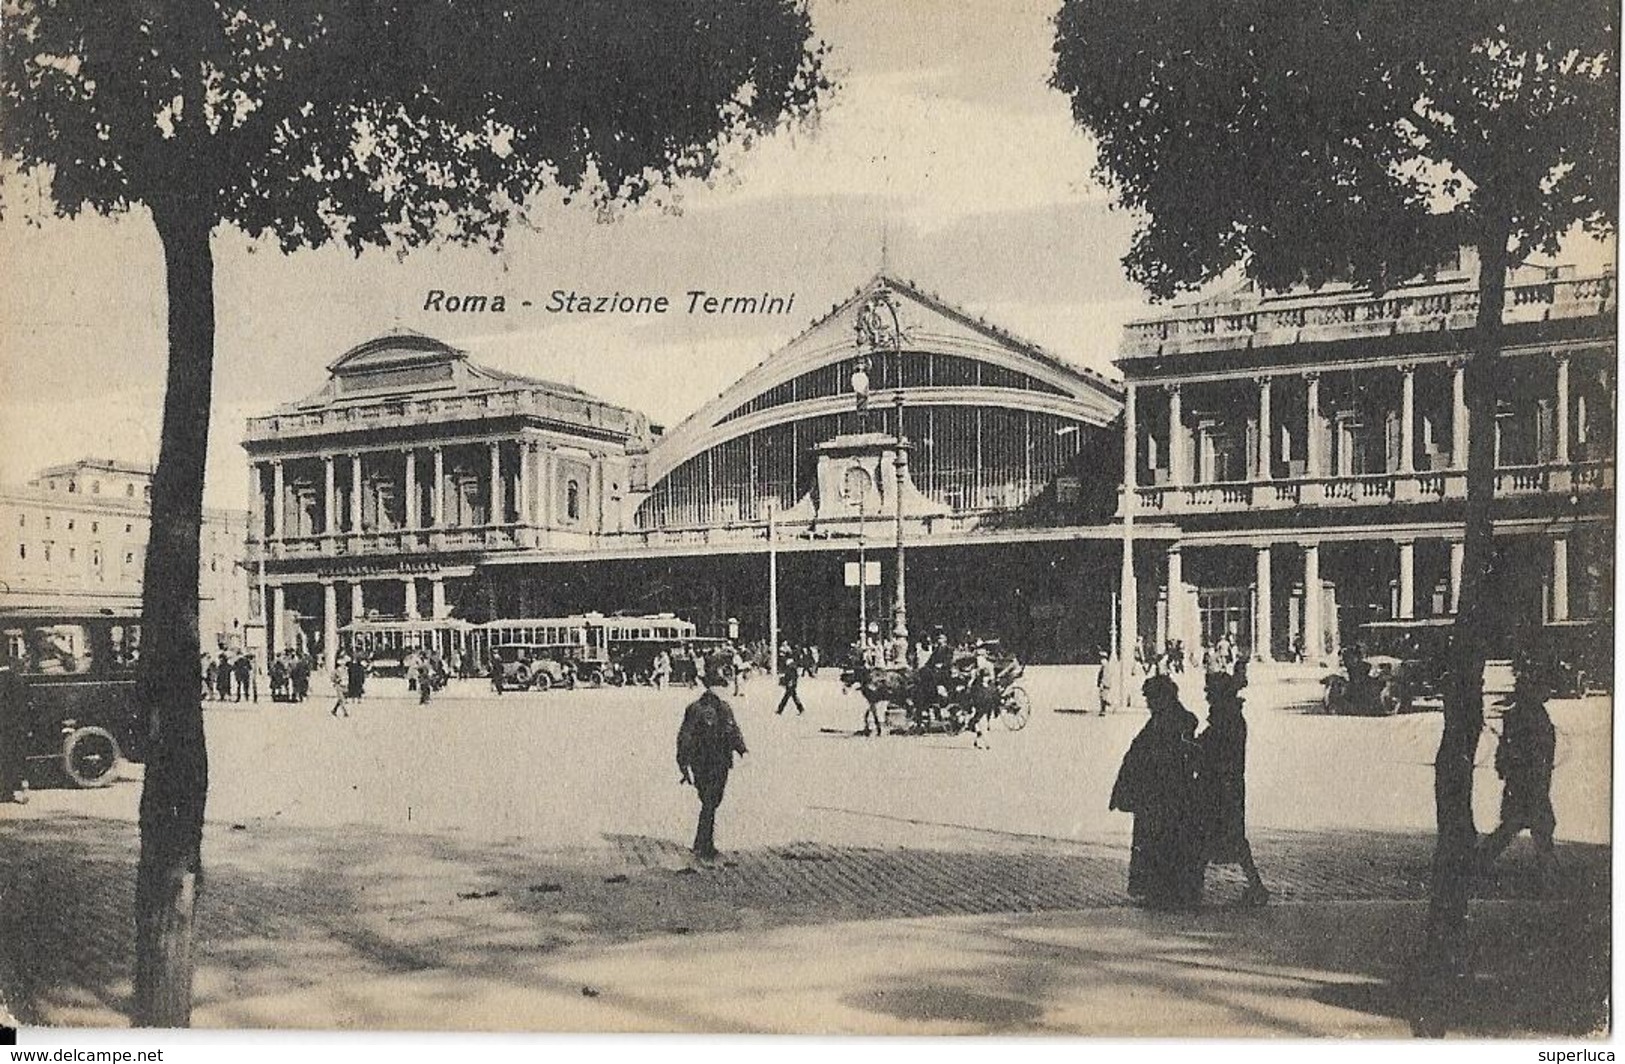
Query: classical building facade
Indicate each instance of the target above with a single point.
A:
(418, 483)
(410, 468)
(75, 537)
(1298, 460)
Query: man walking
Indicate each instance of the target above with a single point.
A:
(790, 680)
(1524, 760)
(706, 744)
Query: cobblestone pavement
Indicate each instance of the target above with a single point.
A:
(314, 880)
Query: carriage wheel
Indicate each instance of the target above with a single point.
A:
(1017, 708)
(89, 756)
(540, 680)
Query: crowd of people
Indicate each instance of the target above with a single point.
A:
(229, 676)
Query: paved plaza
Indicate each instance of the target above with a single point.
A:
(519, 862)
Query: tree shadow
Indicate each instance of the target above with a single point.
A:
(457, 919)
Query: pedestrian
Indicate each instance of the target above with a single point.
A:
(982, 694)
(706, 744)
(299, 673)
(243, 668)
(341, 685)
(279, 678)
(739, 670)
(790, 679)
(222, 673)
(1103, 684)
(1221, 773)
(1524, 760)
(496, 673)
(209, 677)
(1156, 785)
(425, 678)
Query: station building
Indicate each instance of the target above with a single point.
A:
(1298, 459)
(416, 482)
(1285, 466)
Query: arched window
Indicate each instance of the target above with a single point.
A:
(95, 487)
(572, 501)
(73, 486)
(129, 491)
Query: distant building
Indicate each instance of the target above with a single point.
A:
(1299, 459)
(75, 537)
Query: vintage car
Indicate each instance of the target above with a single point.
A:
(68, 692)
(535, 666)
(1393, 668)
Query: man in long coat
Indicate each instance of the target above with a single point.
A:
(1157, 784)
(1222, 782)
(706, 744)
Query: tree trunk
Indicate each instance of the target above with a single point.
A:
(177, 773)
(1453, 856)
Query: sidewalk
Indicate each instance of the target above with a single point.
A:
(1290, 971)
(357, 928)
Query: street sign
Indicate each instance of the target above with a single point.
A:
(871, 573)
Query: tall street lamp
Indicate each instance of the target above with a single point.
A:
(879, 327)
(859, 480)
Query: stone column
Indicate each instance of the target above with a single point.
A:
(358, 602)
(411, 490)
(256, 502)
(1176, 594)
(330, 496)
(1562, 457)
(438, 492)
(1264, 612)
(1312, 439)
(522, 489)
(1265, 432)
(410, 584)
(1560, 578)
(277, 489)
(357, 524)
(1407, 419)
(1178, 445)
(1458, 554)
(437, 598)
(498, 502)
(1314, 638)
(330, 624)
(279, 606)
(1407, 579)
(545, 491)
(1458, 417)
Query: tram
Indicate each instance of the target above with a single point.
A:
(602, 649)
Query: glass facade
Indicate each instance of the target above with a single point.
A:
(967, 458)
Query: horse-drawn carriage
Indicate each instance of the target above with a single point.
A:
(937, 701)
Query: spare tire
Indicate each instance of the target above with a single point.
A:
(89, 757)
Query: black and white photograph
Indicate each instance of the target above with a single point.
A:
(1091, 519)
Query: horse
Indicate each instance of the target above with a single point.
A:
(890, 687)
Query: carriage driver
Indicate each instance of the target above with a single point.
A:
(935, 675)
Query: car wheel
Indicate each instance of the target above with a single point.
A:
(90, 756)
(540, 680)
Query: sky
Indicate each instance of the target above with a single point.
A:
(942, 143)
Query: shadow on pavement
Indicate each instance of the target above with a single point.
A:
(446, 932)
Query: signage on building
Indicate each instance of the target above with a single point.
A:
(871, 574)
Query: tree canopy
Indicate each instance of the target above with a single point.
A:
(399, 121)
(1315, 139)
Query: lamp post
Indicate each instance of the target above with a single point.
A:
(860, 393)
(879, 327)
